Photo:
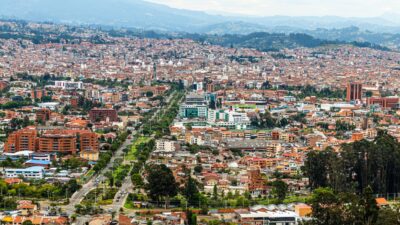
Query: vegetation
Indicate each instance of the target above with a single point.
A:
(37, 190)
(100, 196)
(342, 208)
(161, 184)
(359, 165)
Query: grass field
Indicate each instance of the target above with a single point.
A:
(132, 153)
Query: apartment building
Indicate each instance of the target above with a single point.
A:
(97, 115)
(60, 143)
(21, 140)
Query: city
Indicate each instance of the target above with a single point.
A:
(105, 126)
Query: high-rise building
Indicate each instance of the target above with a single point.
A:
(354, 92)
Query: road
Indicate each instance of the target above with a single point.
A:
(126, 186)
(93, 183)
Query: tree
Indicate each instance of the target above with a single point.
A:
(27, 222)
(267, 121)
(324, 207)
(198, 168)
(137, 180)
(149, 94)
(280, 189)
(191, 192)
(371, 210)
(388, 216)
(368, 94)
(215, 192)
(161, 183)
(191, 218)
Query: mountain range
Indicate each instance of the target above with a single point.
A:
(145, 15)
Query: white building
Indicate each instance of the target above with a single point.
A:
(34, 172)
(165, 146)
(69, 85)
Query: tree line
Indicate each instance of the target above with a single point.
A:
(358, 165)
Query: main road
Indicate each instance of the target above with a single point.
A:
(93, 182)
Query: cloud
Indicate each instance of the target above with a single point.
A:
(346, 8)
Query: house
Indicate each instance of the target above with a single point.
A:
(27, 207)
(89, 155)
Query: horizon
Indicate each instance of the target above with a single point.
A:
(289, 8)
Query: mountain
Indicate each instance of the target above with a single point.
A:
(127, 13)
(147, 16)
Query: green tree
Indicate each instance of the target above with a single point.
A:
(198, 168)
(161, 183)
(27, 222)
(280, 189)
(371, 210)
(388, 216)
(325, 210)
(191, 192)
(215, 192)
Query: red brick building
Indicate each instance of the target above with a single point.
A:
(21, 140)
(96, 115)
(384, 102)
(38, 94)
(57, 143)
(3, 85)
(354, 92)
(88, 141)
(256, 184)
(43, 115)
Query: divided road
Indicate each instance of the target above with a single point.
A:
(123, 191)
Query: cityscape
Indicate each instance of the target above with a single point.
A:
(104, 122)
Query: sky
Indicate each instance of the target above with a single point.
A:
(343, 8)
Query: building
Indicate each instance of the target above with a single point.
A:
(384, 102)
(3, 85)
(21, 140)
(89, 155)
(59, 143)
(88, 141)
(256, 184)
(97, 115)
(69, 85)
(165, 146)
(38, 94)
(210, 87)
(354, 92)
(43, 115)
(193, 111)
(74, 101)
(357, 136)
(35, 162)
(229, 119)
(268, 217)
(34, 172)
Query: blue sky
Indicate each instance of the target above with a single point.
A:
(344, 8)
